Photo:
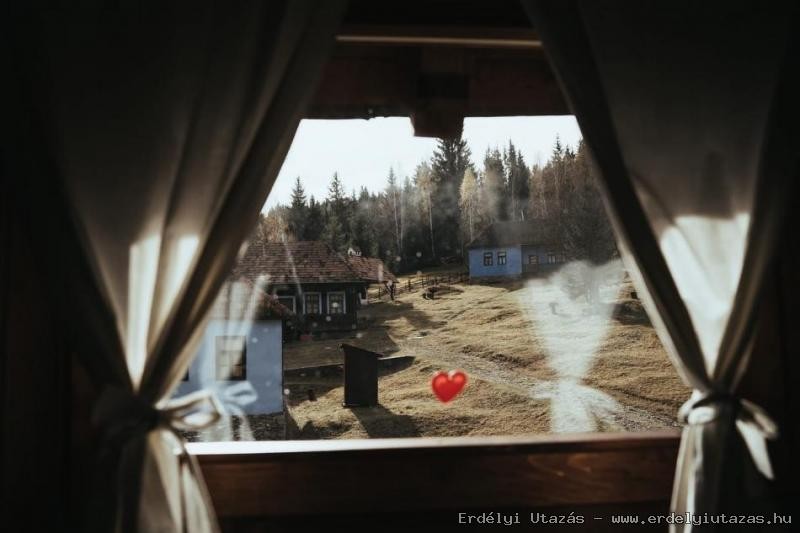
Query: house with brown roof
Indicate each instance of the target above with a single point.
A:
(322, 287)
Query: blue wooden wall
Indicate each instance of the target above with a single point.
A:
(262, 391)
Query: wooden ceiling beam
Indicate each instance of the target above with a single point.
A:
(428, 36)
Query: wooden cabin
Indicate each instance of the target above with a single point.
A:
(139, 146)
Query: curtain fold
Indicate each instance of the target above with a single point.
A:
(685, 109)
(167, 125)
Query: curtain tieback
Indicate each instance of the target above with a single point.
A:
(123, 416)
(753, 423)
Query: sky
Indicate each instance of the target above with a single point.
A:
(362, 151)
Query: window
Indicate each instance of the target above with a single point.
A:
(562, 258)
(288, 302)
(336, 303)
(545, 348)
(231, 357)
(312, 303)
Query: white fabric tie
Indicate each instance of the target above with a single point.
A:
(753, 423)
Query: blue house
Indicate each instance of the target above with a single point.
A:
(240, 356)
(514, 249)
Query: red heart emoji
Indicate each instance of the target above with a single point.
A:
(446, 385)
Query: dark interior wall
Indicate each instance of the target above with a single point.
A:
(34, 362)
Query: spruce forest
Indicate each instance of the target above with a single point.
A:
(430, 217)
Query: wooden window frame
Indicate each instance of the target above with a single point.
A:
(243, 360)
(488, 256)
(271, 479)
(319, 303)
(344, 302)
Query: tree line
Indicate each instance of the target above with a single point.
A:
(429, 217)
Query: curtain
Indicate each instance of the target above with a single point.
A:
(688, 110)
(165, 126)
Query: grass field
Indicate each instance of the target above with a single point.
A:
(538, 361)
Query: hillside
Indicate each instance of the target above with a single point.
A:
(534, 367)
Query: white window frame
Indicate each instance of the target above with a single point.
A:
(504, 257)
(552, 258)
(319, 302)
(242, 357)
(344, 302)
(294, 301)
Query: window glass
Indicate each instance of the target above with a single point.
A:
(231, 357)
(336, 304)
(312, 304)
(287, 301)
(381, 259)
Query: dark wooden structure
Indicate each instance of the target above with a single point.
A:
(360, 376)
(323, 288)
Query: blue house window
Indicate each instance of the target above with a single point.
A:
(533, 260)
(551, 259)
(231, 358)
(488, 259)
(501, 258)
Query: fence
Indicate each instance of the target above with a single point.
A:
(412, 284)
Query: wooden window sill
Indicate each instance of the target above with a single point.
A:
(249, 479)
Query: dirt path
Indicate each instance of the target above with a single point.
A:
(574, 407)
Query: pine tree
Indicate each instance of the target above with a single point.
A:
(297, 215)
(517, 182)
(450, 160)
(315, 224)
(336, 232)
(495, 190)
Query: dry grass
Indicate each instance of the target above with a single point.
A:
(530, 370)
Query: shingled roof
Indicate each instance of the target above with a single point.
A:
(370, 269)
(295, 262)
(526, 232)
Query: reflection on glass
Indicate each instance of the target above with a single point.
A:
(466, 256)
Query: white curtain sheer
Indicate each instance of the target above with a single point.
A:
(168, 125)
(678, 108)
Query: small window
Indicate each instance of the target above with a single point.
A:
(288, 302)
(231, 358)
(336, 303)
(501, 258)
(551, 259)
(488, 259)
(562, 258)
(533, 259)
(312, 303)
